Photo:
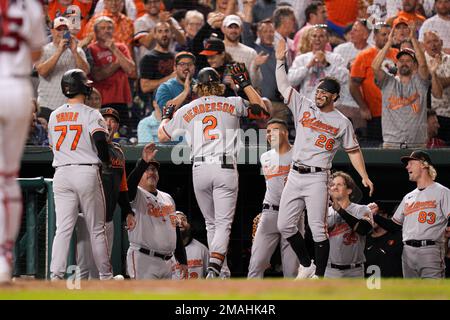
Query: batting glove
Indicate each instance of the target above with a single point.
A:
(240, 75)
(168, 112)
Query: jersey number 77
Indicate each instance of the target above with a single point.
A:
(78, 128)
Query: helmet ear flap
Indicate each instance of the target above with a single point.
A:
(87, 90)
(75, 82)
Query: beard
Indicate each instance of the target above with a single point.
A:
(322, 102)
(405, 71)
(164, 42)
(186, 234)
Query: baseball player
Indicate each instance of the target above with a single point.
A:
(156, 236)
(275, 164)
(348, 224)
(77, 184)
(211, 123)
(22, 35)
(196, 252)
(116, 192)
(423, 216)
(320, 131)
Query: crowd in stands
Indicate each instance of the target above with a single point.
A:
(390, 56)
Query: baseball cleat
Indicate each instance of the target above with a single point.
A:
(119, 277)
(306, 272)
(212, 274)
(5, 277)
(5, 270)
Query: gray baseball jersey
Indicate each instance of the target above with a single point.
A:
(211, 127)
(424, 213)
(79, 185)
(346, 246)
(275, 168)
(211, 124)
(70, 128)
(197, 257)
(404, 114)
(318, 134)
(155, 222)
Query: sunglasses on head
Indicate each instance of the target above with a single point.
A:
(320, 26)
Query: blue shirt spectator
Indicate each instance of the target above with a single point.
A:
(167, 91)
(147, 129)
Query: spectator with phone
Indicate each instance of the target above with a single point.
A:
(58, 56)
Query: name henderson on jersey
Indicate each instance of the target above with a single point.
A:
(208, 107)
(235, 309)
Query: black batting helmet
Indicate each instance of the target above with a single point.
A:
(75, 82)
(208, 75)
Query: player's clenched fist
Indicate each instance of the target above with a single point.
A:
(149, 152)
(240, 75)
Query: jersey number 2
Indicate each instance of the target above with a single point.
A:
(75, 127)
(212, 124)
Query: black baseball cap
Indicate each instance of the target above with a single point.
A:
(184, 54)
(417, 155)
(213, 46)
(110, 112)
(407, 51)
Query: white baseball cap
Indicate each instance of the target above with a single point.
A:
(231, 19)
(61, 21)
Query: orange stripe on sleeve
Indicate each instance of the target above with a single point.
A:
(123, 183)
(290, 95)
(99, 129)
(352, 149)
(165, 132)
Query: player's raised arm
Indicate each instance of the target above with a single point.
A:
(167, 115)
(357, 160)
(280, 73)
(257, 109)
(148, 154)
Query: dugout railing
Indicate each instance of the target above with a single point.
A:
(384, 167)
(33, 248)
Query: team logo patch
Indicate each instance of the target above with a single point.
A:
(102, 123)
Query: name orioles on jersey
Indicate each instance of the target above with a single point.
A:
(275, 171)
(425, 211)
(162, 211)
(323, 140)
(192, 263)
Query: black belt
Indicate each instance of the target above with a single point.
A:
(155, 254)
(346, 266)
(79, 164)
(270, 207)
(420, 243)
(226, 161)
(304, 169)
